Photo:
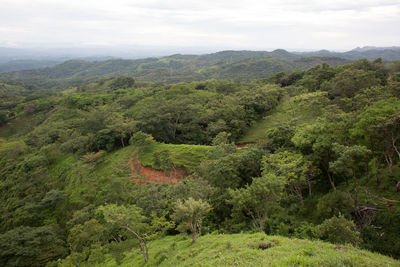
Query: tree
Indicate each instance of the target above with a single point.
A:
(165, 161)
(293, 168)
(131, 219)
(31, 246)
(317, 139)
(379, 128)
(350, 162)
(259, 199)
(229, 167)
(189, 214)
(348, 82)
(122, 82)
(84, 235)
(141, 139)
(122, 127)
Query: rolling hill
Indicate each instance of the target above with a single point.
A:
(239, 65)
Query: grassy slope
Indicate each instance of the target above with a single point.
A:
(284, 113)
(242, 250)
(188, 156)
(114, 165)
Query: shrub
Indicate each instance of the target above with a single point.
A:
(333, 204)
(305, 231)
(92, 158)
(283, 229)
(122, 82)
(338, 230)
(141, 139)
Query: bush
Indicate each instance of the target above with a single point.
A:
(383, 235)
(122, 82)
(305, 231)
(141, 139)
(338, 230)
(283, 229)
(333, 204)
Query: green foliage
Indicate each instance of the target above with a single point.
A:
(229, 167)
(84, 235)
(293, 169)
(259, 199)
(189, 214)
(188, 156)
(222, 65)
(31, 246)
(386, 238)
(122, 82)
(338, 230)
(305, 231)
(333, 204)
(319, 134)
(130, 218)
(141, 139)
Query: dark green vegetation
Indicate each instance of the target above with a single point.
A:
(321, 162)
(17, 65)
(235, 65)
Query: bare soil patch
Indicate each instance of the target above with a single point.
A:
(148, 175)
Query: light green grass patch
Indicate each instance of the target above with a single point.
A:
(288, 112)
(243, 250)
(188, 156)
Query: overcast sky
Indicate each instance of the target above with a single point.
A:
(214, 24)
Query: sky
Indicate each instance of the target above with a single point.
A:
(210, 24)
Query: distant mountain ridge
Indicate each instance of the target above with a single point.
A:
(366, 52)
(229, 65)
(368, 48)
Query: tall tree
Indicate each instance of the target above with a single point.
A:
(350, 163)
(296, 171)
(131, 219)
(379, 128)
(259, 199)
(189, 214)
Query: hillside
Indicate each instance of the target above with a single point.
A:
(242, 65)
(249, 250)
(370, 53)
(101, 172)
(232, 65)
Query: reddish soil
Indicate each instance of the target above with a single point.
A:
(148, 175)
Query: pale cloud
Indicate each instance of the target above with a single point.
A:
(233, 24)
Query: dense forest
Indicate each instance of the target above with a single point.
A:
(145, 166)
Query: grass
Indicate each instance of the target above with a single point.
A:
(251, 250)
(287, 112)
(116, 163)
(188, 156)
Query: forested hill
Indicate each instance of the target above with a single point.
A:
(108, 172)
(368, 52)
(230, 65)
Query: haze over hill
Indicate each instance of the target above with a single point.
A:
(230, 65)
(239, 65)
(199, 133)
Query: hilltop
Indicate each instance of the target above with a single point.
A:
(249, 250)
